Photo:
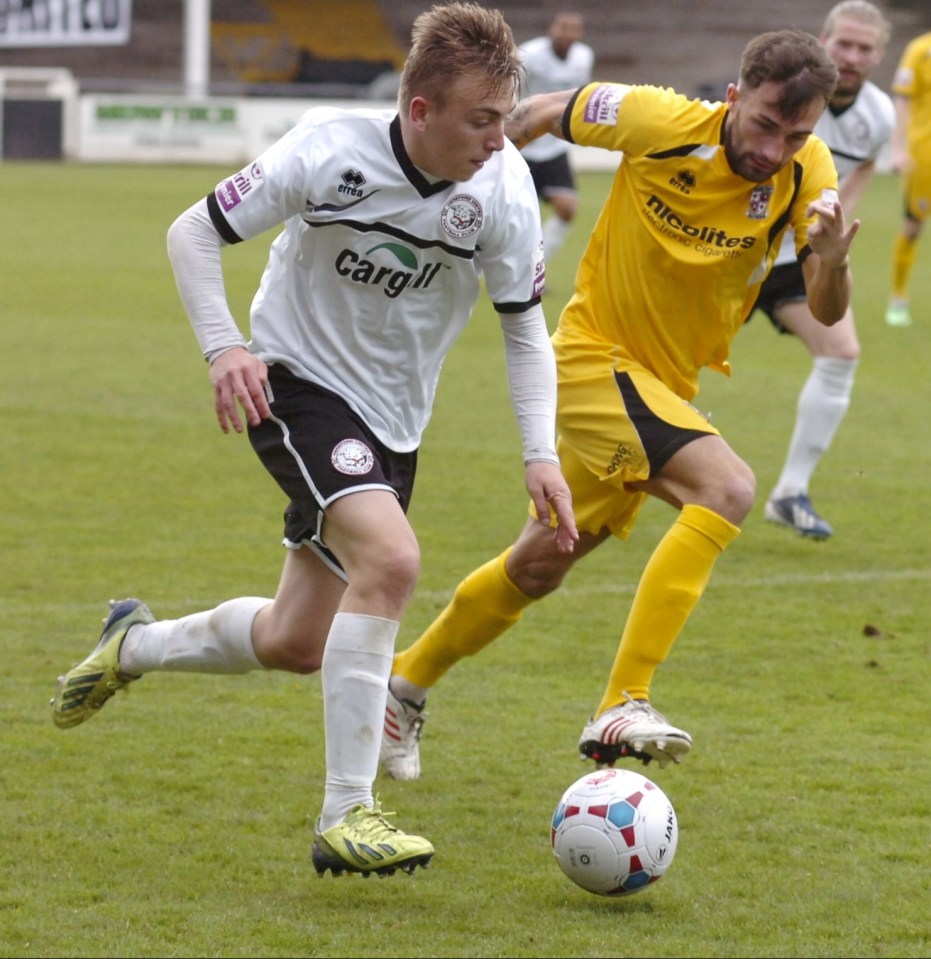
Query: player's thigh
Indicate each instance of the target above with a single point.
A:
(617, 427)
(838, 341)
(291, 632)
(374, 541)
(706, 472)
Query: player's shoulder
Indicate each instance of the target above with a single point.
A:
(921, 44)
(916, 50)
(335, 129)
(534, 45)
(582, 52)
(875, 100)
(652, 106)
(326, 115)
(814, 156)
(504, 179)
(511, 163)
(615, 92)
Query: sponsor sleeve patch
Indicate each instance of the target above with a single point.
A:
(602, 105)
(230, 193)
(539, 272)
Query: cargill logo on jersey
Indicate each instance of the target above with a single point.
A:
(392, 266)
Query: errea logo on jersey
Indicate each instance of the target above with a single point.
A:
(352, 183)
(361, 269)
(683, 181)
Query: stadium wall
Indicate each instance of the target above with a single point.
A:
(140, 128)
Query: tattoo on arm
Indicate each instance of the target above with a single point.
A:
(516, 126)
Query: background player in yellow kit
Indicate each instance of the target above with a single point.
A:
(911, 156)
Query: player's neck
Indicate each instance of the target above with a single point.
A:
(840, 103)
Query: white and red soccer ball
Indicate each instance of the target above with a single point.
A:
(614, 832)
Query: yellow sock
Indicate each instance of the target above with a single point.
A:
(672, 584)
(484, 605)
(904, 253)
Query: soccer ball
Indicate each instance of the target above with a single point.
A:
(614, 832)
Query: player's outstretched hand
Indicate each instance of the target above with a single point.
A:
(551, 497)
(238, 376)
(829, 235)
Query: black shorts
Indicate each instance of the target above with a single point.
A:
(318, 449)
(552, 176)
(785, 284)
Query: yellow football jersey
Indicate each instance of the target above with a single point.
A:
(913, 80)
(682, 242)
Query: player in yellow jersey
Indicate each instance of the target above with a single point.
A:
(911, 156)
(690, 228)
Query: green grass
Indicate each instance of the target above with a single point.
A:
(179, 824)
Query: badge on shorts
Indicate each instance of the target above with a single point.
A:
(352, 457)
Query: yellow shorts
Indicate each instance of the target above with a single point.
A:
(616, 424)
(916, 189)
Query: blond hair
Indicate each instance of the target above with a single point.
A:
(863, 12)
(452, 40)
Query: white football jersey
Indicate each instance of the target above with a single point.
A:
(377, 269)
(547, 73)
(854, 136)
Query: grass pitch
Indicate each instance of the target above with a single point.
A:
(179, 822)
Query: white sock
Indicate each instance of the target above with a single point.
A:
(355, 670)
(555, 231)
(822, 405)
(216, 641)
(405, 690)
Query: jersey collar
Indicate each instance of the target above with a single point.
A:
(419, 182)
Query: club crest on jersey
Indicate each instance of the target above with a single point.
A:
(352, 457)
(462, 216)
(759, 202)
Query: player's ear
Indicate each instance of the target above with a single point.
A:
(733, 95)
(417, 112)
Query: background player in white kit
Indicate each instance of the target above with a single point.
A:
(557, 61)
(856, 125)
(390, 220)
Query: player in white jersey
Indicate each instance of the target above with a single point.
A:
(557, 61)
(390, 219)
(855, 126)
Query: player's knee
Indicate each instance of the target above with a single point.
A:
(297, 648)
(565, 210)
(847, 351)
(537, 575)
(305, 661)
(737, 494)
(393, 573)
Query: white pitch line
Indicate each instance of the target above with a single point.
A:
(724, 582)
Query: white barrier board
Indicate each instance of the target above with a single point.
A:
(229, 132)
